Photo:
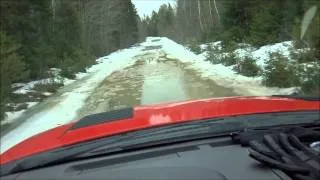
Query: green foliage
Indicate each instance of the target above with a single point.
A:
(194, 47)
(229, 59)
(242, 21)
(48, 87)
(304, 56)
(21, 107)
(165, 20)
(67, 72)
(236, 20)
(279, 72)
(13, 68)
(248, 67)
(160, 23)
(310, 79)
(213, 54)
(266, 23)
(312, 36)
(11, 61)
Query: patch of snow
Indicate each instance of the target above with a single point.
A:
(81, 75)
(68, 81)
(31, 104)
(47, 93)
(27, 87)
(11, 116)
(203, 46)
(16, 85)
(217, 45)
(241, 53)
(262, 54)
(55, 71)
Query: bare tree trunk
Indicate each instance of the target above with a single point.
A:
(210, 9)
(199, 10)
(53, 6)
(215, 5)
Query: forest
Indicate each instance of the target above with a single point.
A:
(258, 22)
(37, 35)
(247, 24)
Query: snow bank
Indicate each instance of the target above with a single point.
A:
(27, 87)
(262, 54)
(223, 75)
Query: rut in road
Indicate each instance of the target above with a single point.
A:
(154, 78)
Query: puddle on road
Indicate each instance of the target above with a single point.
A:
(119, 90)
(183, 83)
(163, 82)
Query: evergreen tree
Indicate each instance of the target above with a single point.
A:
(40, 34)
(265, 26)
(13, 68)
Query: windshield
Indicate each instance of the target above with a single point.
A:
(62, 60)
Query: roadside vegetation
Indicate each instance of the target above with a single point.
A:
(248, 25)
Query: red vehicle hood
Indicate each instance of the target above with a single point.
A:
(151, 116)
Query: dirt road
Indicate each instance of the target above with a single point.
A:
(154, 78)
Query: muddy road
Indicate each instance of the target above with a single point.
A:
(154, 78)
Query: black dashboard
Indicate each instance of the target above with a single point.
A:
(211, 159)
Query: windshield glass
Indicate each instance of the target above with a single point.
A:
(62, 60)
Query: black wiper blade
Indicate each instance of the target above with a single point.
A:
(300, 97)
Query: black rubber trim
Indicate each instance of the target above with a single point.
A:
(306, 98)
(120, 160)
(103, 118)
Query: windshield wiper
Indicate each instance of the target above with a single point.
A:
(300, 97)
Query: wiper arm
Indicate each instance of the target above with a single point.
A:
(300, 97)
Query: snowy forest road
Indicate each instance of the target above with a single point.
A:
(141, 75)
